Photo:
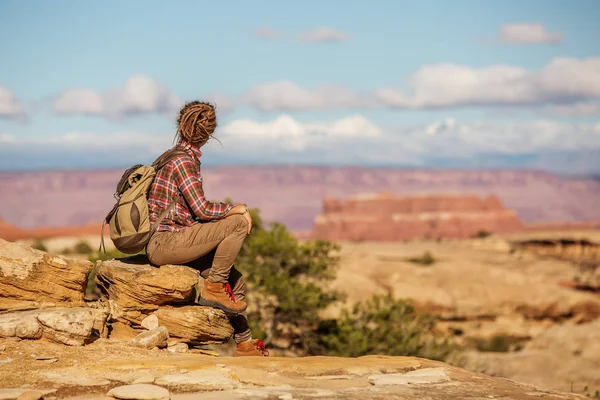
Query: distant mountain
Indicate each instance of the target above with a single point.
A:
(293, 194)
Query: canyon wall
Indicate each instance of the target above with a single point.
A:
(385, 217)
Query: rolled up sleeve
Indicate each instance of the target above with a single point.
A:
(189, 181)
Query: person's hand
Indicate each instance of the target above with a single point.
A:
(248, 217)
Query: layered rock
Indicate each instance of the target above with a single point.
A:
(384, 217)
(29, 275)
(70, 326)
(195, 324)
(38, 288)
(134, 290)
(135, 285)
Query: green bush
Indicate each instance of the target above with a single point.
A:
(288, 281)
(39, 244)
(482, 234)
(82, 247)
(383, 325)
(498, 344)
(109, 255)
(426, 259)
(286, 278)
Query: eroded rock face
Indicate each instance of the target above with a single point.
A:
(195, 324)
(389, 218)
(70, 326)
(137, 285)
(29, 275)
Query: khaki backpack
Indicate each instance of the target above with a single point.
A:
(130, 228)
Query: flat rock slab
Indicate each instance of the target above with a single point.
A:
(195, 324)
(70, 326)
(134, 285)
(420, 376)
(204, 379)
(27, 274)
(140, 392)
(10, 394)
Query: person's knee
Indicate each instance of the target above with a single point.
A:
(239, 222)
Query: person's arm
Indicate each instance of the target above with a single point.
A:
(189, 182)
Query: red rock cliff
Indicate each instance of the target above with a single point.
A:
(384, 217)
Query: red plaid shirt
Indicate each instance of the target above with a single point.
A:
(182, 175)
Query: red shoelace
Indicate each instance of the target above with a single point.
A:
(260, 345)
(229, 292)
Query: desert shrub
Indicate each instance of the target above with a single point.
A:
(383, 325)
(288, 281)
(498, 344)
(82, 247)
(39, 244)
(285, 276)
(109, 255)
(482, 234)
(425, 259)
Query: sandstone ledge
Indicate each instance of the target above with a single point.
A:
(27, 274)
(103, 366)
(135, 285)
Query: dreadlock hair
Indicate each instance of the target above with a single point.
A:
(196, 123)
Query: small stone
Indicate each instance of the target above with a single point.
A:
(140, 392)
(156, 337)
(286, 396)
(145, 378)
(179, 348)
(183, 371)
(150, 322)
(206, 352)
(31, 395)
(49, 359)
(2, 347)
(6, 360)
(420, 376)
(221, 365)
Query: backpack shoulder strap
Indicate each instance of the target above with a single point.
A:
(167, 156)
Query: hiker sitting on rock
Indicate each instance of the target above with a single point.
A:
(199, 233)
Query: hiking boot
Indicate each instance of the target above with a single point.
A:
(251, 348)
(219, 295)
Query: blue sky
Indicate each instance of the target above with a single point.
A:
(421, 83)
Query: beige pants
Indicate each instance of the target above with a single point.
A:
(211, 248)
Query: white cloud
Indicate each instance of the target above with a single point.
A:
(563, 81)
(577, 109)
(288, 96)
(139, 95)
(323, 34)
(221, 102)
(293, 135)
(353, 141)
(10, 107)
(267, 33)
(449, 138)
(6, 138)
(527, 34)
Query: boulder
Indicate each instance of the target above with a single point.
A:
(156, 337)
(135, 285)
(29, 275)
(70, 326)
(195, 324)
(150, 322)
